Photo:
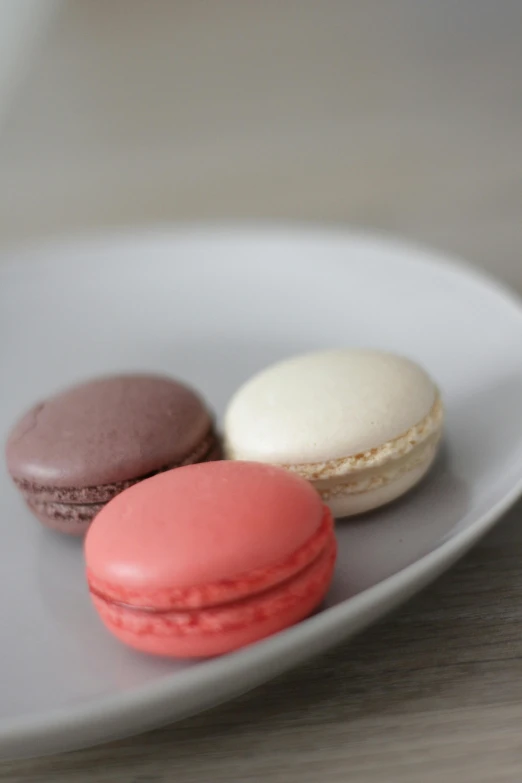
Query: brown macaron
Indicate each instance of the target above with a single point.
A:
(74, 452)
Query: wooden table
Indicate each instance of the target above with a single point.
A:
(403, 116)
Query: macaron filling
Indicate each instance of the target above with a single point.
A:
(376, 477)
(205, 451)
(308, 584)
(66, 512)
(399, 448)
(380, 469)
(222, 592)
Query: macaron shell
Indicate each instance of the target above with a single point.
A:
(326, 406)
(203, 633)
(222, 591)
(70, 520)
(208, 450)
(198, 526)
(349, 504)
(107, 430)
(74, 518)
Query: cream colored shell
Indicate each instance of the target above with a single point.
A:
(326, 406)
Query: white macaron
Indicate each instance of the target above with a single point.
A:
(362, 426)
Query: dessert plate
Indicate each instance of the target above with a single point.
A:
(213, 306)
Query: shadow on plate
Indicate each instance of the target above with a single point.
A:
(377, 545)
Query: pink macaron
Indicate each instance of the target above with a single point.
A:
(208, 558)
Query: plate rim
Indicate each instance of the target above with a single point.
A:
(50, 731)
(24, 251)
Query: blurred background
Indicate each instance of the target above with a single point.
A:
(399, 115)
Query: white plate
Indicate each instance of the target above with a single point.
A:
(213, 306)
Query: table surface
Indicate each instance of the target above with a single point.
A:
(404, 117)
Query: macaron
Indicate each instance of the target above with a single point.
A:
(204, 560)
(72, 453)
(362, 426)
